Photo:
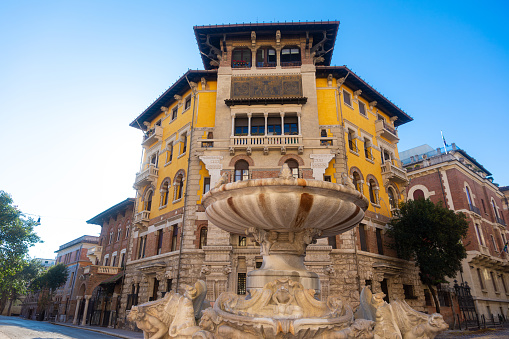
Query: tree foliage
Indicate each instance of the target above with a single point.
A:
(17, 235)
(431, 235)
(53, 278)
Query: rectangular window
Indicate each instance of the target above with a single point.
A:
(159, 241)
(495, 287)
(479, 236)
(206, 184)
(114, 261)
(168, 284)
(332, 242)
(327, 178)
(122, 259)
(119, 233)
(111, 238)
(258, 264)
(187, 104)
(362, 108)
(174, 113)
(444, 298)
(502, 280)
(362, 238)
(347, 98)
(174, 238)
(241, 283)
(183, 146)
(379, 241)
(352, 144)
(494, 243)
(409, 292)
(169, 152)
(481, 280)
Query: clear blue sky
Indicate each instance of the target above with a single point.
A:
(74, 74)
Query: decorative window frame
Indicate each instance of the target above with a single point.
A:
(376, 190)
(366, 110)
(356, 169)
(184, 101)
(175, 185)
(427, 193)
(168, 181)
(170, 140)
(344, 90)
(472, 195)
(184, 130)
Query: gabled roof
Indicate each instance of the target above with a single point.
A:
(112, 211)
(167, 98)
(217, 32)
(355, 82)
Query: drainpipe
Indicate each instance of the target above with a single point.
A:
(195, 104)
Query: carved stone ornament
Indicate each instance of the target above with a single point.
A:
(203, 83)
(249, 151)
(300, 150)
(329, 80)
(232, 151)
(356, 94)
(178, 98)
(397, 319)
(265, 150)
(372, 104)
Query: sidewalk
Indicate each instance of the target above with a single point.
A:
(105, 330)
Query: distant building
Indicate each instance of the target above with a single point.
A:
(464, 185)
(46, 262)
(267, 96)
(74, 255)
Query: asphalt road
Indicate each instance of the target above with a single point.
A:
(17, 328)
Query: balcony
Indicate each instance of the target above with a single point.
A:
(385, 130)
(501, 221)
(265, 64)
(393, 173)
(109, 270)
(271, 141)
(146, 177)
(95, 253)
(141, 220)
(474, 209)
(152, 135)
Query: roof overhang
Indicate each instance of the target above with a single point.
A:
(217, 33)
(355, 82)
(112, 211)
(168, 97)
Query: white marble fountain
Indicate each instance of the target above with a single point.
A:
(284, 215)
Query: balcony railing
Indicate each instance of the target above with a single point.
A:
(474, 209)
(386, 131)
(149, 175)
(266, 140)
(501, 221)
(108, 269)
(265, 64)
(241, 64)
(291, 63)
(393, 172)
(152, 135)
(141, 219)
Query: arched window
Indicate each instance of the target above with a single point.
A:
(294, 167)
(148, 201)
(495, 209)
(418, 194)
(266, 57)
(372, 193)
(290, 56)
(357, 182)
(468, 196)
(203, 237)
(179, 187)
(241, 170)
(241, 58)
(165, 190)
(392, 198)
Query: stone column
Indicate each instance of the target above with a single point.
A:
(233, 124)
(282, 123)
(78, 301)
(249, 124)
(87, 301)
(266, 115)
(298, 123)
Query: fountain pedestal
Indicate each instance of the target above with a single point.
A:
(283, 257)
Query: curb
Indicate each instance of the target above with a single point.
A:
(93, 330)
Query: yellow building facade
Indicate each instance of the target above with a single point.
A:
(267, 96)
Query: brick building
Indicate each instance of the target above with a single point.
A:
(464, 185)
(267, 96)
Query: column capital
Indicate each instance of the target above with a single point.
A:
(282, 114)
(87, 297)
(265, 114)
(249, 115)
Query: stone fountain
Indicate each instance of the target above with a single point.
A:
(284, 215)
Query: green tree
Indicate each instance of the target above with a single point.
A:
(18, 284)
(17, 235)
(431, 235)
(48, 282)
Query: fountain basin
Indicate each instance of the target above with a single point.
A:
(285, 205)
